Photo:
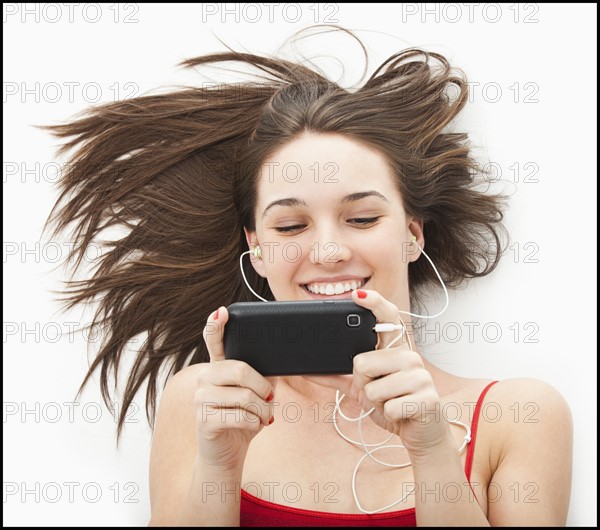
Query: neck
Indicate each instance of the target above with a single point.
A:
(322, 389)
(313, 394)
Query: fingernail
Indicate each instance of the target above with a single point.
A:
(270, 396)
(271, 420)
(216, 315)
(360, 293)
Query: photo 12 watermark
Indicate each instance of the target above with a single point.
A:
(65, 412)
(67, 91)
(51, 13)
(69, 492)
(453, 13)
(252, 13)
(273, 491)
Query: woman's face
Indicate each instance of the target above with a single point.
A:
(328, 212)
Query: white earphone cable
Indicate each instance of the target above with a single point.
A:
(383, 328)
(379, 328)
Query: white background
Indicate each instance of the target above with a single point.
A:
(533, 69)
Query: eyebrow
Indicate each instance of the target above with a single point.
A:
(352, 197)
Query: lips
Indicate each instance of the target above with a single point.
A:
(344, 295)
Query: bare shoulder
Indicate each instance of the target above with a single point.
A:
(176, 413)
(176, 408)
(179, 391)
(543, 400)
(532, 428)
(528, 385)
(523, 413)
(173, 442)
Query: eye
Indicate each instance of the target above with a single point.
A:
(287, 228)
(357, 220)
(365, 220)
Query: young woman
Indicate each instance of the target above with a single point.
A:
(339, 194)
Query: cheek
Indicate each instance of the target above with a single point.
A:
(281, 261)
(385, 254)
(383, 260)
(381, 247)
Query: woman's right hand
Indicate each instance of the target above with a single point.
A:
(231, 402)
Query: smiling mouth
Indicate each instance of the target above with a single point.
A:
(337, 288)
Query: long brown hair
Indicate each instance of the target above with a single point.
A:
(179, 172)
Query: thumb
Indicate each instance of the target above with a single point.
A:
(213, 333)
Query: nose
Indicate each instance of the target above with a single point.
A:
(328, 249)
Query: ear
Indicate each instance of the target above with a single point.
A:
(258, 264)
(415, 228)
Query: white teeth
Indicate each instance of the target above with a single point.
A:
(331, 289)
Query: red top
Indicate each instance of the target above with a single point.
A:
(258, 512)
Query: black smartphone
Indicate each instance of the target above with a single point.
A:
(299, 337)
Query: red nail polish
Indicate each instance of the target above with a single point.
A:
(361, 294)
(216, 315)
(271, 420)
(270, 396)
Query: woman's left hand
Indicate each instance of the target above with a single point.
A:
(395, 382)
